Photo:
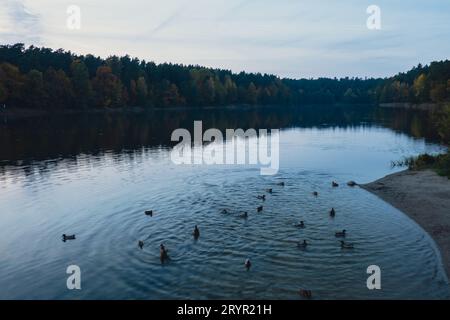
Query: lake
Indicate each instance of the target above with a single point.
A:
(94, 175)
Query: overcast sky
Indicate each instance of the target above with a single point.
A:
(290, 38)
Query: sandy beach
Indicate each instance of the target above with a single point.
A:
(425, 197)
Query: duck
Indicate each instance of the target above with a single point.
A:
(346, 245)
(247, 264)
(341, 234)
(260, 208)
(303, 244)
(281, 184)
(315, 193)
(352, 183)
(306, 293)
(244, 215)
(149, 213)
(332, 212)
(66, 237)
(141, 244)
(196, 233)
(263, 197)
(163, 253)
(300, 225)
(269, 190)
(224, 211)
(335, 184)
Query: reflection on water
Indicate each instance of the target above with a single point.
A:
(95, 175)
(68, 136)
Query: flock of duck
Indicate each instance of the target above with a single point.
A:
(164, 252)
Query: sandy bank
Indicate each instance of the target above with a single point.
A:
(425, 197)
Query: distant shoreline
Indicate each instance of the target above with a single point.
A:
(408, 105)
(19, 113)
(424, 196)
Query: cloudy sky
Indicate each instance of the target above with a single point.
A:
(290, 38)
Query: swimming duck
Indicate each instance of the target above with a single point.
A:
(346, 245)
(263, 197)
(247, 264)
(196, 233)
(335, 184)
(341, 234)
(303, 244)
(224, 211)
(332, 212)
(260, 208)
(315, 193)
(68, 237)
(280, 184)
(163, 253)
(269, 190)
(149, 213)
(351, 183)
(141, 244)
(306, 293)
(244, 215)
(300, 225)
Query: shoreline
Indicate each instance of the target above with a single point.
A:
(20, 113)
(424, 196)
(427, 106)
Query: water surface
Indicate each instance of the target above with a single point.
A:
(94, 175)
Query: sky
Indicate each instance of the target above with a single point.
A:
(289, 38)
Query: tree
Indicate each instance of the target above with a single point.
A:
(209, 91)
(34, 94)
(438, 93)
(81, 83)
(108, 88)
(97, 82)
(170, 96)
(141, 91)
(420, 87)
(12, 82)
(115, 64)
(58, 90)
(132, 93)
(220, 91)
(231, 90)
(252, 94)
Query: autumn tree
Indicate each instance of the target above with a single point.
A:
(59, 90)
(108, 88)
(420, 87)
(11, 82)
(34, 93)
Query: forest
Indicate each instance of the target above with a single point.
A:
(47, 79)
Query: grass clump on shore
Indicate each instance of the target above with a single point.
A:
(439, 163)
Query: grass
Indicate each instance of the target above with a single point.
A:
(439, 163)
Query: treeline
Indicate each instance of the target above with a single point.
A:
(42, 78)
(421, 84)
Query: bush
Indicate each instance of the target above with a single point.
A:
(439, 163)
(424, 161)
(443, 165)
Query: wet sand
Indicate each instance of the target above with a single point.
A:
(425, 197)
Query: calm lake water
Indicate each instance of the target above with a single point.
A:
(95, 175)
